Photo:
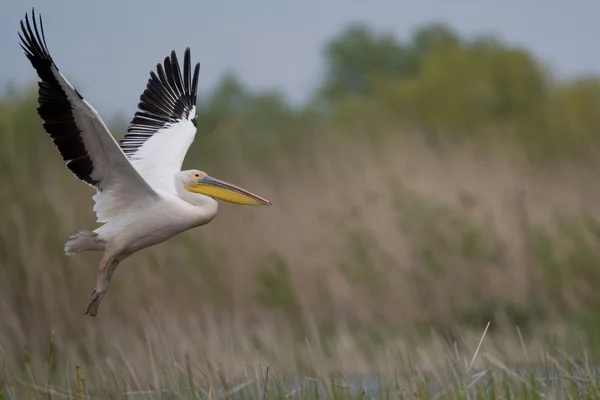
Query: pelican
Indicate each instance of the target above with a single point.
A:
(142, 197)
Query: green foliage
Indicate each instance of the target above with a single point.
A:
(442, 236)
(366, 263)
(571, 269)
(448, 247)
(274, 287)
(452, 89)
(353, 56)
(358, 54)
(206, 263)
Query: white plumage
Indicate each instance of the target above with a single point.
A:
(142, 196)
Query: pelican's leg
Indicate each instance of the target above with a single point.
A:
(100, 289)
(109, 272)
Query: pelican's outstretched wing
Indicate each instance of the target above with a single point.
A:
(82, 138)
(163, 129)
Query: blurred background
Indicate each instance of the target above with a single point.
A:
(432, 167)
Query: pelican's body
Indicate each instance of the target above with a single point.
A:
(142, 196)
(167, 217)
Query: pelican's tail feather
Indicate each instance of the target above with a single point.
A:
(83, 241)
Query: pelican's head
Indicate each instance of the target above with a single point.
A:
(199, 182)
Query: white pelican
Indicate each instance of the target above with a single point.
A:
(142, 196)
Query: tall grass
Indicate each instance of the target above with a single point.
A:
(217, 365)
(371, 248)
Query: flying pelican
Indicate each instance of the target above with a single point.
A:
(142, 196)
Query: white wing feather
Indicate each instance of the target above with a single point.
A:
(162, 155)
(87, 146)
(163, 129)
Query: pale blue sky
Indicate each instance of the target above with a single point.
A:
(106, 48)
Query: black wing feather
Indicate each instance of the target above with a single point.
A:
(167, 99)
(55, 109)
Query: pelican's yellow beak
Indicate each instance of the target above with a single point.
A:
(221, 190)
